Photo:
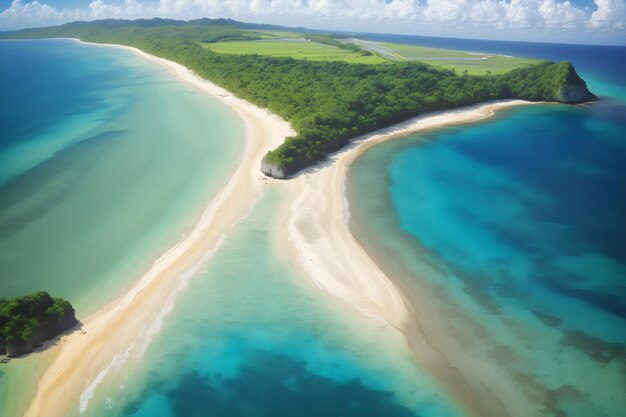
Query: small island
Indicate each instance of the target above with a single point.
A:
(28, 321)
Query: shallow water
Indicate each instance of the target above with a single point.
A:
(141, 155)
(109, 160)
(249, 337)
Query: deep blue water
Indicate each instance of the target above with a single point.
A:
(530, 203)
(522, 218)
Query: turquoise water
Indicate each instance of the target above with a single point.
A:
(515, 229)
(110, 179)
(105, 161)
(250, 338)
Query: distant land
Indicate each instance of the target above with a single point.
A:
(330, 87)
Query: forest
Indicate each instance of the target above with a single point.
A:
(327, 103)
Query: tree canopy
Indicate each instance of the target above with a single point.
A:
(327, 103)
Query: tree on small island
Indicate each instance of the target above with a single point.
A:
(27, 321)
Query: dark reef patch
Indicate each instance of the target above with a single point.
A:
(548, 320)
(273, 386)
(597, 349)
(48, 176)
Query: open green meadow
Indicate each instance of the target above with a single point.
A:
(292, 45)
(296, 48)
(474, 63)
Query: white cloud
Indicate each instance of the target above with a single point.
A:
(21, 14)
(346, 9)
(34, 10)
(99, 9)
(565, 15)
(516, 14)
(489, 18)
(611, 14)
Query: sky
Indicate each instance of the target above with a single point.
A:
(573, 21)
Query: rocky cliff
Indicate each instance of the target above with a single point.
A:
(273, 170)
(573, 89)
(571, 94)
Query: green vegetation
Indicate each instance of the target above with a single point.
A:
(26, 321)
(473, 63)
(274, 34)
(328, 101)
(543, 81)
(294, 48)
(328, 40)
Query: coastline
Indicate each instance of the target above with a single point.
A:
(322, 245)
(123, 329)
(321, 239)
(316, 232)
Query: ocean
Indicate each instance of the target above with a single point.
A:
(515, 228)
(250, 336)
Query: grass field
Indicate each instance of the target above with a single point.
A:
(474, 63)
(292, 45)
(296, 48)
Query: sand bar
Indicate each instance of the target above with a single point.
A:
(318, 230)
(122, 330)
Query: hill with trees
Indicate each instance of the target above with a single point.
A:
(329, 102)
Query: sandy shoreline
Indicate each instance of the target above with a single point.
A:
(318, 223)
(123, 329)
(318, 230)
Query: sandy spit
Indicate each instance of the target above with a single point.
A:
(122, 330)
(317, 228)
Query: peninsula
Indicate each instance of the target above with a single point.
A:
(330, 88)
